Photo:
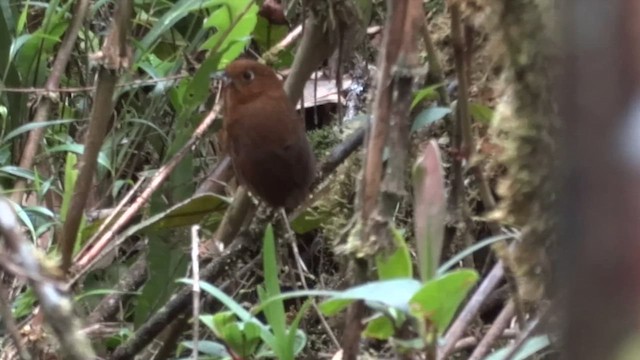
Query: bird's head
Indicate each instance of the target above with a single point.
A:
(245, 80)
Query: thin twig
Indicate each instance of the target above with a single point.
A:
(154, 183)
(181, 302)
(494, 333)
(54, 303)
(111, 59)
(10, 324)
(470, 310)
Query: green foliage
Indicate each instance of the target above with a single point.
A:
(429, 93)
(398, 264)
(481, 113)
(438, 300)
(242, 332)
(429, 116)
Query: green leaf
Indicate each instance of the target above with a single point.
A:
(36, 125)
(70, 176)
(165, 261)
(380, 328)
(394, 293)
(26, 220)
(428, 93)
(481, 112)
(16, 102)
(218, 321)
(188, 212)
(438, 300)
(429, 116)
(274, 312)
(171, 17)
(430, 209)
(18, 172)
(531, 346)
(225, 299)
(297, 339)
(98, 292)
(308, 220)
(470, 250)
(398, 264)
(79, 149)
(243, 340)
(210, 348)
(266, 35)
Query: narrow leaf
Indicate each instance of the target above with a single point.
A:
(429, 209)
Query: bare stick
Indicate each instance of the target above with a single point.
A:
(471, 309)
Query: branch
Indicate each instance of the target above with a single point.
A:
(114, 57)
(54, 303)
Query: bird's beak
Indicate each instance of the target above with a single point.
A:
(221, 76)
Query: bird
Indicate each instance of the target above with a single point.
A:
(264, 135)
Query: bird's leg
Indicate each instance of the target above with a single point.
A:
(303, 272)
(291, 237)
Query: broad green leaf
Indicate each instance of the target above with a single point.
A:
(177, 12)
(35, 125)
(188, 212)
(266, 35)
(79, 149)
(481, 112)
(218, 321)
(398, 264)
(308, 220)
(18, 172)
(394, 293)
(438, 299)
(380, 328)
(243, 340)
(428, 93)
(210, 348)
(429, 116)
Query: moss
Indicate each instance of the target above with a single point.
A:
(524, 126)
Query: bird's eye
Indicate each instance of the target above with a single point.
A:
(248, 75)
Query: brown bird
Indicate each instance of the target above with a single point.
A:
(264, 136)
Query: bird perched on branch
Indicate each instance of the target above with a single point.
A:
(264, 136)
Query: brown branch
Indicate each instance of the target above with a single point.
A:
(54, 303)
(10, 324)
(390, 127)
(131, 281)
(316, 45)
(154, 183)
(495, 332)
(245, 245)
(470, 310)
(113, 58)
(44, 104)
(459, 134)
